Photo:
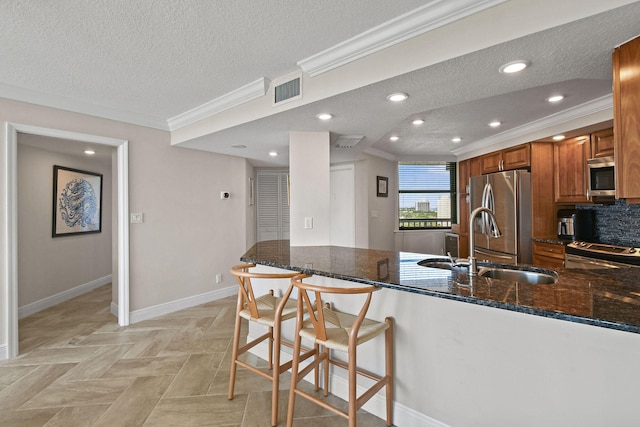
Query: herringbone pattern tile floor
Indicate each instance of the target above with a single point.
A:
(77, 367)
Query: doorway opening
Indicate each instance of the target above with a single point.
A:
(10, 239)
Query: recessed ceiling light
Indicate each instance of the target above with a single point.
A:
(558, 137)
(555, 98)
(273, 153)
(397, 97)
(417, 122)
(495, 124)
(89, 152)
(324, 116)
(456, 139)
(394, 138)
(514, 67)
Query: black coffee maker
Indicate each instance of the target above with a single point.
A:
(575, 224)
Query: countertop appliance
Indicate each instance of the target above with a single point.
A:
(597, 255)
(602, 177)
(508, 195)
(575, 224)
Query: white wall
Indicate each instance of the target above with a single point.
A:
(310, 188)
(189, 234)
(46, 265)
(463, 364)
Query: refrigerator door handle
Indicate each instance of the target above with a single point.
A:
(484, 204)
(480, 251)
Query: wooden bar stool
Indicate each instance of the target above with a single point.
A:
(335, 330)
(267, 310)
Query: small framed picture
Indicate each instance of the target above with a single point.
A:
(383, 186)
(77, 201)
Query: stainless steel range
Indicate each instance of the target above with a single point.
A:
(598, 255)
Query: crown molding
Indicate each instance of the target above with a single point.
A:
(67, 104)
(604, 103)
(431, 16)
(232, 99)
(381, 154)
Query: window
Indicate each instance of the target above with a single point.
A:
(426, 195)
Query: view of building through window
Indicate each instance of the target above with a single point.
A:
(426, 195)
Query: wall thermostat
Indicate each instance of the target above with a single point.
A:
(225, 195)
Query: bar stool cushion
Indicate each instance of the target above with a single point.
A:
(338, 325)
(267, 305)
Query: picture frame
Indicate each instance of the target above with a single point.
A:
(77, 202)
(382, 186)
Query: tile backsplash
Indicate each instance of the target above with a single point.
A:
(617, 224)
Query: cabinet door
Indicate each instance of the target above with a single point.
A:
(475, 166)
(491, 162)
(570, 169)
(602, 143)
(626, 120)
(516, 157)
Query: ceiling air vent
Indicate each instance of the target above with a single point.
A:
(287, 91)
(348, 141)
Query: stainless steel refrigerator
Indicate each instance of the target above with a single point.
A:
(508, 195)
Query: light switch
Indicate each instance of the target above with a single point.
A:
(308, 222)
(374, 213)
(137, 218)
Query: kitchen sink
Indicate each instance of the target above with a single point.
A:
(442, 263)
(521, 276)
(530, 276)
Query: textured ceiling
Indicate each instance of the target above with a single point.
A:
(155, 60)
(162, 58)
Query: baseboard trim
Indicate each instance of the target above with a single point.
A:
(377, 405)
(170, 307)
(3, 352)
(56, 299)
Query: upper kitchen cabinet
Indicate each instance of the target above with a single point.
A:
(602, 143)
(518, 157)
(570, 169)
(626, 119)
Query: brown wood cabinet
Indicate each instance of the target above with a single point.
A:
(538, 156)
(570, 169)
(543, 215)
(602, 143)
(626, 119)
(548, 255)
(464, 172)
(517, 157)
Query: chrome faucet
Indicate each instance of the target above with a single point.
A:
(493, 229)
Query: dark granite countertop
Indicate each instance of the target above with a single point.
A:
(552, 239)
(608, 298)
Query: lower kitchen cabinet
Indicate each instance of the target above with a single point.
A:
(548, 255)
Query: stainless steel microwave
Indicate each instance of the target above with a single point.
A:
(602, 176)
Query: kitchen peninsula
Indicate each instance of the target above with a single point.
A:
(501, 353)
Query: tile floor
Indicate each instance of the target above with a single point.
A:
(77, 367)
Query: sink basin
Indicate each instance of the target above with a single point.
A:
(520, 276)
(444, 264)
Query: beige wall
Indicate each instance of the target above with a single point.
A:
(189, 233)
(46, 265)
